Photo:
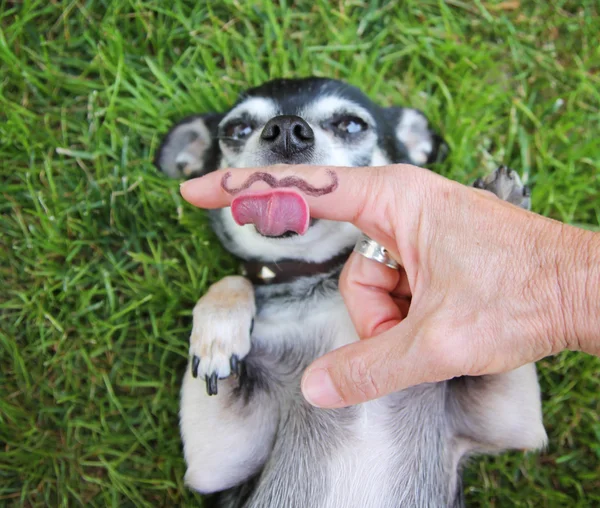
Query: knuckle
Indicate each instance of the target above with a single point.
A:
(362, 382)
(448, 354)
(368, 184)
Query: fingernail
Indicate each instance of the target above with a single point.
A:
(319, 390)
(184, 188)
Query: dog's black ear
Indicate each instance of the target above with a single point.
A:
(191, 147)
(417, 139)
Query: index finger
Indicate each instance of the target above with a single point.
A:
(362, 196)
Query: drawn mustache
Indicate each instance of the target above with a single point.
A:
(286, 181)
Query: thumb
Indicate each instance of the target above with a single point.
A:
(369, 369)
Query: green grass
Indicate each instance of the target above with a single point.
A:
(101, 261)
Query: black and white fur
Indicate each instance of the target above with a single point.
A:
(258, 443)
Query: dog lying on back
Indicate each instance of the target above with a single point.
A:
(248, 433)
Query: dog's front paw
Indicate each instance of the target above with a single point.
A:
(506, 184)
(221, 330)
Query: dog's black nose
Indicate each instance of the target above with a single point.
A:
(287, 135)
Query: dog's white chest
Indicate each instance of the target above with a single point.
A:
(360, 472)
(328, 324)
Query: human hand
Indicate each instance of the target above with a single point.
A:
(480, 290)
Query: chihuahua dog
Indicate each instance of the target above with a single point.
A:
(249, 436)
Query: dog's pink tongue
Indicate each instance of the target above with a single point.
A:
(273, 212)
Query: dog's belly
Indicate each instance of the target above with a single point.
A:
(384, 453)
(361, 473)
(387, 453)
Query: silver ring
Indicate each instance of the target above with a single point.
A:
(372, 250)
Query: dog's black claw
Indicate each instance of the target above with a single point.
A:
(211, 384)
(251, 326)
(526, 192)
(235, 365)
(478, 184)
(195, 364)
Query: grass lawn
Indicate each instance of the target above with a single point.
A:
(101, 260)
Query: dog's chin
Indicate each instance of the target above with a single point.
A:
(288, 234)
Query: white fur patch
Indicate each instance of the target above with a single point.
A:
(413, 131)
(379, 158)
(361, 470)
(260, 109)
(221, 325)
(222, 447)
(324, 108)
(504, 412)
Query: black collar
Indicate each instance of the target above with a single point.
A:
(262, 273)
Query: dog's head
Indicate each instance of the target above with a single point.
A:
(297, 121)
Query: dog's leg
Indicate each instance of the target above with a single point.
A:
(490, 414)
(226, 437)
(503, 411)
(222, 324)
(506, 184)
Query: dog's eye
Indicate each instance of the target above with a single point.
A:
(350, 125)
(238, 130)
